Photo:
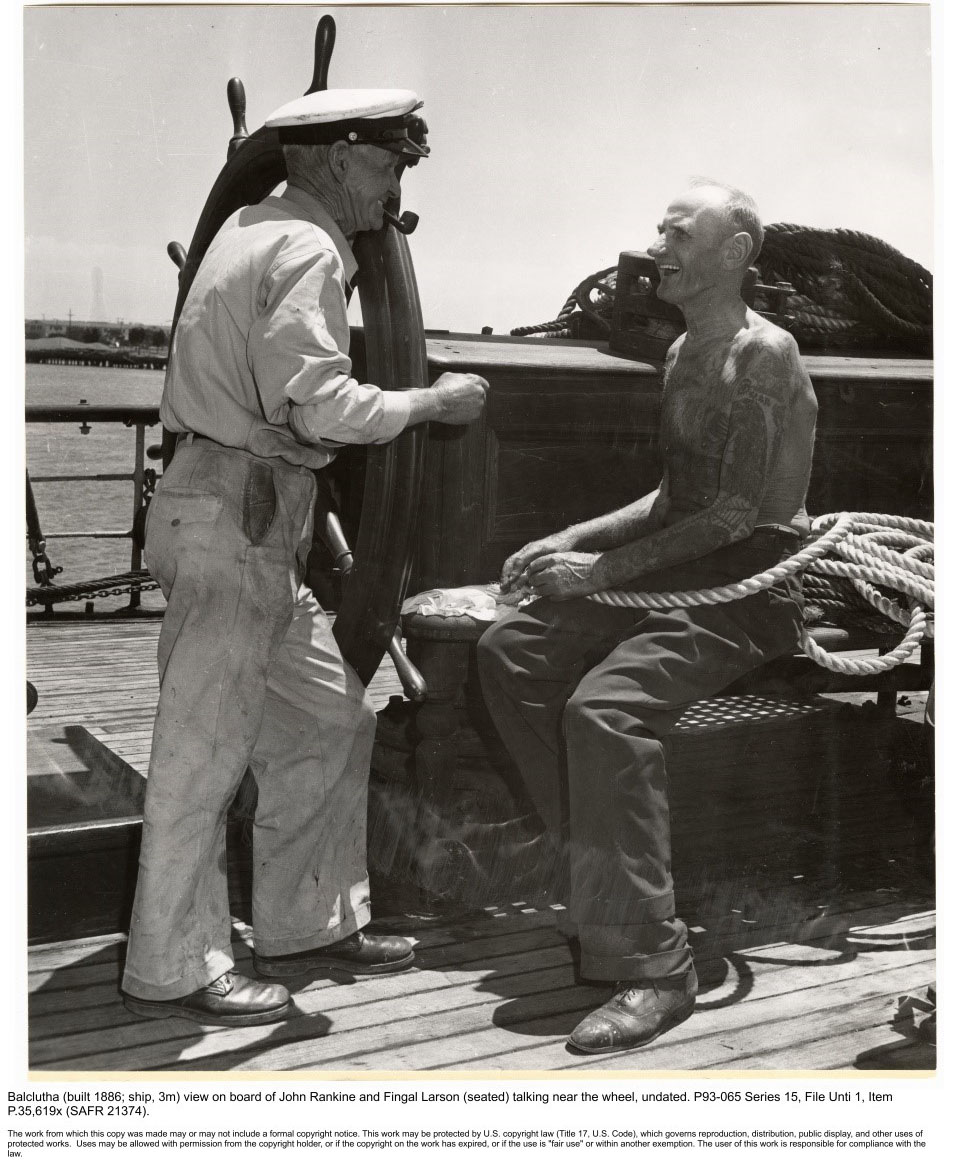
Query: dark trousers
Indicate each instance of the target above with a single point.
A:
(583, 694)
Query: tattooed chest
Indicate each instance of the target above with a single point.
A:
(694, 429)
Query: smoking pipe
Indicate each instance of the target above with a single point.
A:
(405, 223)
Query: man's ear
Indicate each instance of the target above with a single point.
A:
(737, 250)
(338, 159)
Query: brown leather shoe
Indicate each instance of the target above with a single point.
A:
(231, 999)
(637, 1013)
(359, 954)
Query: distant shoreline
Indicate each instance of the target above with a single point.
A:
(59, 350)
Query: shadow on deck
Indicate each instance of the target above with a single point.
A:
(849, 989)
(802, 854)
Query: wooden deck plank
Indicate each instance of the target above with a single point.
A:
(61, 968)
(861, 917)
(463, 1038)
(94, 1009)
(443, 952)
(724, 1037)
(111, 666)
(96, 710)
(448, 1016)
(504, 955)
(56, 958)
(880, 1046)
(769, 976)
(373, 1005)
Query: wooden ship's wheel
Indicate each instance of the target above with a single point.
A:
(378, 567)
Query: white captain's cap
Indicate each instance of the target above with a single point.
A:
(383, 118)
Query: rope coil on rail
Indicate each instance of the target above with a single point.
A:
(868, 544)
(849, 289)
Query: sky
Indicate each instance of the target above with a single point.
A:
(558, 133)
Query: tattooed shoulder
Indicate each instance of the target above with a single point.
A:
(766, 367)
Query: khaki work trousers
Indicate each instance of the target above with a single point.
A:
(250, 677)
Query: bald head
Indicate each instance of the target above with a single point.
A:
(738, 210)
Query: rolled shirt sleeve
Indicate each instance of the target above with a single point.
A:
(296, 352)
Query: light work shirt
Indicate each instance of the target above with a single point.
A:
(260, 356)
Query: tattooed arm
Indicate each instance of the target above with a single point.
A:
(612, 530)
(623, 525)
(761, 394)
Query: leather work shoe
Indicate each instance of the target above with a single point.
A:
(231, 999)
(359, 954)
(637, 1013)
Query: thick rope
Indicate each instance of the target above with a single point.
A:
(868, 544)
(870, 289)
(582, 316)
(851, 289)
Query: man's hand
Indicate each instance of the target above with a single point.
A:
(513, 577)
(455, 399)
(564, 574)
(460, 397)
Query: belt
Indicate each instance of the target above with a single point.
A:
(276, 463)
(774, 535)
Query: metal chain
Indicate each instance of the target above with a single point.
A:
(61, 594)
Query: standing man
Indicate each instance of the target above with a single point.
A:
(582, 693)
(259, 389)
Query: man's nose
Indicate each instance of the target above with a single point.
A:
(657, 247)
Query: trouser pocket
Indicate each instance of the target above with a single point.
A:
(180, 530)
(259, 502)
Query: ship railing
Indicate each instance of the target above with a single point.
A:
(133, 417)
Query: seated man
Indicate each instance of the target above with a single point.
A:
(583, 693)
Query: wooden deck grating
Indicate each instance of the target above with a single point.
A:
(826, 968)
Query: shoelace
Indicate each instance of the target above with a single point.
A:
(223, 985)
(625, 990)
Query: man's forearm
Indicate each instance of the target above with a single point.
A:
(424, 405)
(690, 538)
(456, 398)
(622, 526)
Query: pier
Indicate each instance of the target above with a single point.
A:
(73, 354)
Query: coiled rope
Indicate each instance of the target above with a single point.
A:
(586, 313)
(851, 289)
(876, 549)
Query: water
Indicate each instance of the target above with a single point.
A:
(108, 448)
(49, 383)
